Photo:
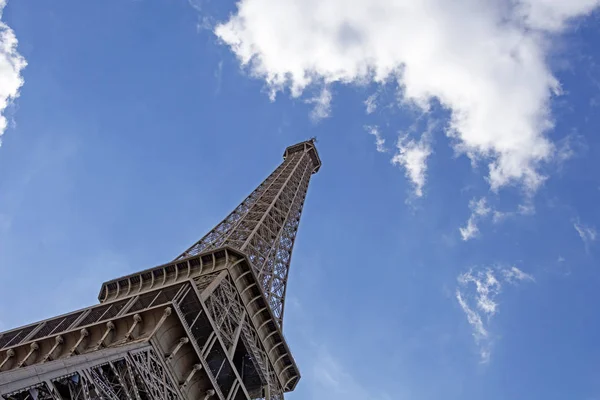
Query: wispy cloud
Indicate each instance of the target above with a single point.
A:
(486, 64)
(11, 65)
(470, 230)
(570, 146)
(479, 209)
(514, 275)
(322, 105)
(477, 294)
(479, 331)
(371, 103)
(587, 233)
(522, 209)
(412, 155)
(379, 140)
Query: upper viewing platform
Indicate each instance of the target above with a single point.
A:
(306, 146)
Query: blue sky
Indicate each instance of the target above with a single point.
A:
(448, 246)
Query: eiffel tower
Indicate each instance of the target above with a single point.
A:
(207, 325)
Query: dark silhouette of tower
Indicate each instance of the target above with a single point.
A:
(207, 325)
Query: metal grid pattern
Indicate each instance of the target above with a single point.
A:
(227, 312)
(203, 281)
(264, 226)
(214, 360)
(259, 357)
(138, 375)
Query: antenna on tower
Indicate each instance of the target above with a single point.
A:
(313, 139)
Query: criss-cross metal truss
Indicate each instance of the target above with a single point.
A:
(231, 319)
(264, 225)
(136, 375)
(205, 326)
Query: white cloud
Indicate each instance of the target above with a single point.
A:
(570, 146)
(587, 233)
(11, 65)
(371, 104)
(487, 287)
(379, 140)
(483, 61)
(479, 209)
(514, 275)
(481, 304)
(412, 156)
(551, 15)
(522, 209)
(322, 104)
(473, 317)
(469, 231)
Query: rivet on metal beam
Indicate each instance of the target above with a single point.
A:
(82, 335)
(196, 367)
(162, 320)
(57, 342)
(32, 349)
(184, 340)
(137, 320)
(110, 326)
(10, 353)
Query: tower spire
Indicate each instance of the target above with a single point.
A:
(265, 224)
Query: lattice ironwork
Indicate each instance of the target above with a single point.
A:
(235, 350)
(153, 374)
(215, 361)
(203, 281)
(264, 226)
(136, 376)
(227, 311)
